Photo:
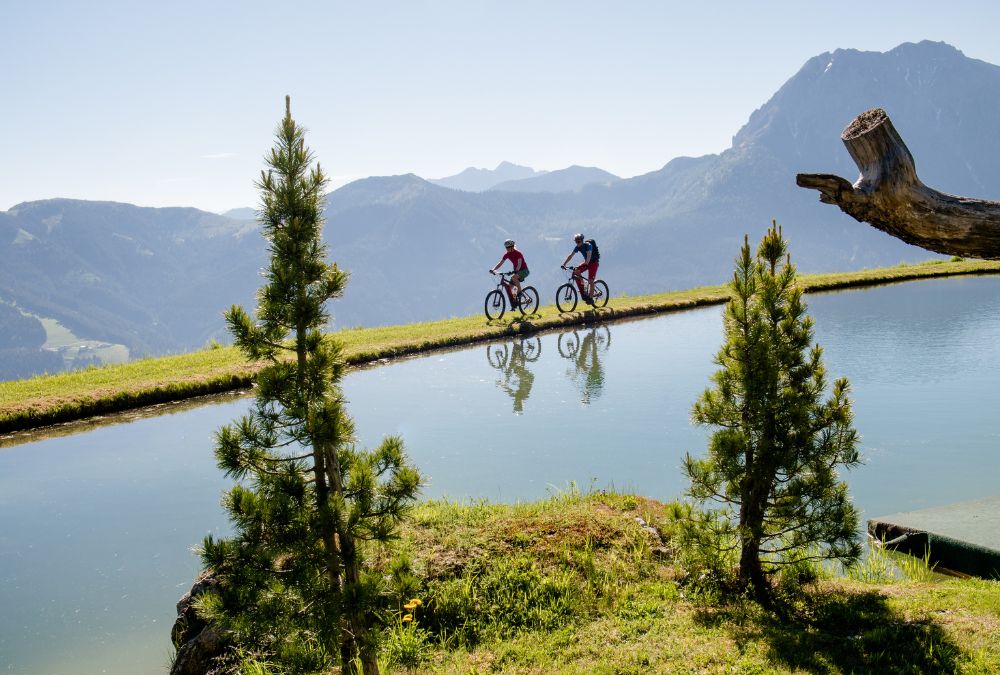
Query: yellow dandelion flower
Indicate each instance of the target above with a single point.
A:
(407, 618)
(416, 602)
(410, 606)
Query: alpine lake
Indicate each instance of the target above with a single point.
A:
(98, 521)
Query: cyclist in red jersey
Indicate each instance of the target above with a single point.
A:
(516, 259)
(589, 265)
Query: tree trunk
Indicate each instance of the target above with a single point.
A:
(355, 639)
(751, 571)
(889, 195)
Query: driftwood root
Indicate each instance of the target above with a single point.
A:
(889, 196)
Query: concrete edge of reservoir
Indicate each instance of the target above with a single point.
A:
(963, 538)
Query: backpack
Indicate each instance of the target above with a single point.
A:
(595, 254)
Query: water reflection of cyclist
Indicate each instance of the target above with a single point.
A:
(517, 379)
(588, 363)
(585, 356)
(589, 265)
(516, 259)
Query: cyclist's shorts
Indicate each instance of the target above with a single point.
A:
(523, 274)
(590, 269)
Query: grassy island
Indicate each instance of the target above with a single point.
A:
(50, 399)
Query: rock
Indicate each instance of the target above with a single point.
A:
(197, 655)
(198, 643)
(649, 529)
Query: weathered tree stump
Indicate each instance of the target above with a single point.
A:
(889, 196)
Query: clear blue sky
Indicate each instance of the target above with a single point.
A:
(174, 103)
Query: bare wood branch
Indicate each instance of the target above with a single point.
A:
(889, 196)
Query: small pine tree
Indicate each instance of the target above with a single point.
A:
(292, 575)
(772, 462)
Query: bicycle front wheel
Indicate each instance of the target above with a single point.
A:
(600, 293)
(531, 348)
(527, 300)
(602, 336)
(494, 305)
(566, 298)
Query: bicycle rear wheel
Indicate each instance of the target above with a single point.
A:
(600, 293)
(566, 298)
(527, 300)
(496, 354)
(494, 306)
(568, 344)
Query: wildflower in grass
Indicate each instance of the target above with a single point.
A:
(407, 618)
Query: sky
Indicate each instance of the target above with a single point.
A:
(175, 103)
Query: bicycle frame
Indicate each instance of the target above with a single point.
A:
(504, 282)
(577, 278)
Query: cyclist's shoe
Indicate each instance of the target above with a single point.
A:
(587, 299)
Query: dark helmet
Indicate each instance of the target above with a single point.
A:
(508, 243)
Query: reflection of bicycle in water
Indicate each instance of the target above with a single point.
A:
(511, 359)
(499, 353)
(584, 352)
(569, 343)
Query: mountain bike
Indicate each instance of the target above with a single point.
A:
(497, 299)
(568, 295)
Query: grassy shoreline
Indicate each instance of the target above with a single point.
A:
(52, 399)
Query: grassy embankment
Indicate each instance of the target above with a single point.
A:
(26, 404)
(577, 584)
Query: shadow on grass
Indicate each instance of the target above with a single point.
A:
(839, 632)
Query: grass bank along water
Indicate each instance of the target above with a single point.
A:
(50, 399)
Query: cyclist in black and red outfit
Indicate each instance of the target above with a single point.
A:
(516, 259)
(589, 265)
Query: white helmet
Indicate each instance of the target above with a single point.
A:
(508, 243)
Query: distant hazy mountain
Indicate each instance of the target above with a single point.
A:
(159, 279)
(243, 213)
(571, 179)
(478, 180)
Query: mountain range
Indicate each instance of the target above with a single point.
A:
(474, 179)
(158, 280)
(570, 179)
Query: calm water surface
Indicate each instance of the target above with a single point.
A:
(96, 528)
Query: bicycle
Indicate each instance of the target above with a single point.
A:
(568, 295)
(497, 300)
